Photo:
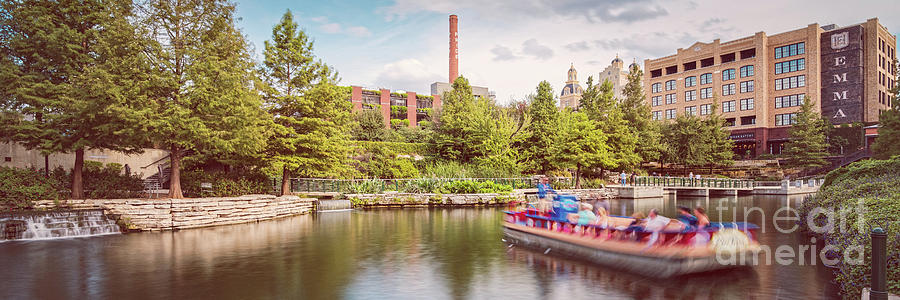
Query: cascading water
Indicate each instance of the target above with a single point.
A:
(332, 205)
(38, 225)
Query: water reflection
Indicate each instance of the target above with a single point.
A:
(404, 254)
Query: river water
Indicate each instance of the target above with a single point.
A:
(389, 253)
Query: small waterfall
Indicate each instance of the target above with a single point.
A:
(37, 225)
(332, 205)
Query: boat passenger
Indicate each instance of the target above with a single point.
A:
(702, 219)
(702, 237)
(543, 187)
(586, 214)
(655, 224)
(685, 216)
(602, 218)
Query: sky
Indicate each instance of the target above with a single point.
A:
(510, 46)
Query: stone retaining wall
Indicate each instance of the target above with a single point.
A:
(170, 214)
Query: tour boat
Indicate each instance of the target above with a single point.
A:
(674, 252)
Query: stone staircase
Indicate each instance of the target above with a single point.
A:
(154, 184)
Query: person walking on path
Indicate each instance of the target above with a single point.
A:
(623, 176)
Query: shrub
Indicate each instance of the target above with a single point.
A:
(874, 185)
(364, 186)
(109, 182)
(19, 187)
(224, 184)
(452, 169)
(472, 187)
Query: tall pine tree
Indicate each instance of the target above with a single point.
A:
(541, 131)
(208, 102)
(599, 103)
(807, 147)
(75, 78)
(310, 113)
(637, 114)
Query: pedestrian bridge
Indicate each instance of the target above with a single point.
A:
(725, 186)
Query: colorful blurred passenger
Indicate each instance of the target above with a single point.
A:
(702, 219)
(686, 218)
(543, 187)
(586, 214)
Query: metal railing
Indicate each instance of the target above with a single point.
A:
(724, 183)
(415, 185)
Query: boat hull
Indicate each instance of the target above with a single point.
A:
(660, 266)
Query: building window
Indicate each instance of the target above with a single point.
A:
(690, 81)
(670, 114)
(750, 120)
(728, 74)
(690, 110)
(746, 71)
(670, 98)
(790, 50)
(728, 106)
(670, 85)
(705, 93)
(789, 101)
(790, 82)
(729, 122)
(690, 95)
(656, 87)
(704, 109)
(747, 104)
(790, 66)
(657, 115)
(706, 78)
(656, 100)
(728, 89)
(747, 86)
(785, 119)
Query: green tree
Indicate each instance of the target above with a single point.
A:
(807, 147)
(74, 78)
(719, 147)
(888, 142)
(600, 105)
(637, 114)
(208, 102)
(368, 125)
(309, 111)
(541, 131)
(580, 144)
(471, 129)
(684, 143)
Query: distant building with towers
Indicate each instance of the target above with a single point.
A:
(438, 88)
(571, 92)
(617, 74)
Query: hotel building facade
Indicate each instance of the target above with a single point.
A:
(760, 81)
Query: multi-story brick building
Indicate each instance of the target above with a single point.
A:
(395, 105)
(760, 81)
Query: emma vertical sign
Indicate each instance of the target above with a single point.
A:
(842, 73)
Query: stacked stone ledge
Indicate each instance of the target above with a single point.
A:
(170, 214)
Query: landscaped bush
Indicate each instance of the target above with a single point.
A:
(452, 169)
(108, 182)
(19, 187)
(474, 187)
(875, 186)
(224, 184)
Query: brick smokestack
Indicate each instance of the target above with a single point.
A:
(454, 49)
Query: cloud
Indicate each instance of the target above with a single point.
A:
(533, 48)
(502, 53)
(609, 11)
(336, 28)
(405, 74)
(331, 27)
(653, 44)
(358, 31)
(578, 46)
